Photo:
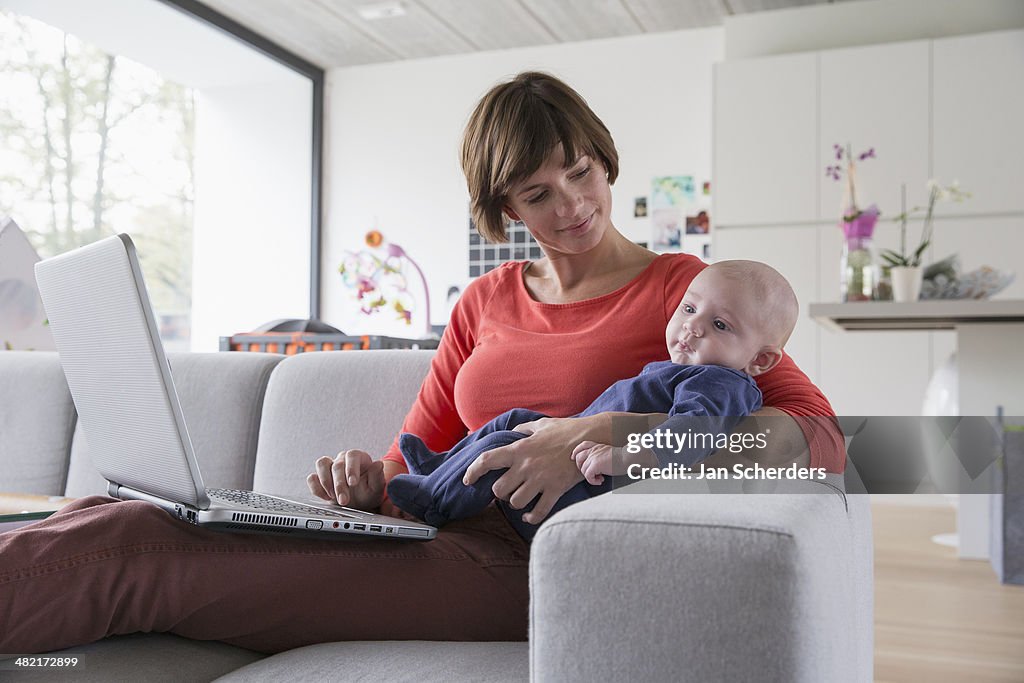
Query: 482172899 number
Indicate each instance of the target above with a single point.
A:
(45, 662)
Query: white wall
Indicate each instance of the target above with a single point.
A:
(393, 134)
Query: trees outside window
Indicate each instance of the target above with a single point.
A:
(93, 144)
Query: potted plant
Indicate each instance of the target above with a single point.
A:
(858, 269)
(905, 267)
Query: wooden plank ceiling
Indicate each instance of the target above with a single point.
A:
(333, 33)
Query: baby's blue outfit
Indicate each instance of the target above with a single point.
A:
(434, 492)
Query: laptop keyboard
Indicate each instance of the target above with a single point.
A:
(259, 501)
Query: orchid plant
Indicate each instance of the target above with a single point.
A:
(846, 165)
(936, 192)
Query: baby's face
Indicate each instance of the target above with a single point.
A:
(715, 325)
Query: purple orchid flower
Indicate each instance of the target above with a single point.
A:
(836, 172)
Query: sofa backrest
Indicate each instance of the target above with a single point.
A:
(256, 420)
(321, 403)
(37, 419)
(221, 396)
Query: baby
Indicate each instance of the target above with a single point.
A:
(731, 326)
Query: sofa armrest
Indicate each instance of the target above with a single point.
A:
(700, 586)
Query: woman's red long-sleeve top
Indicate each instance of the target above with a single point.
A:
(503, 350)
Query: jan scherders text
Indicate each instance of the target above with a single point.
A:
(666, 442)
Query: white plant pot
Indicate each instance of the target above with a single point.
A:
(906, 283)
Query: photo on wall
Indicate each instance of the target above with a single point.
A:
(640, 207)
(699, 224)
(697, 236)
(672, 199)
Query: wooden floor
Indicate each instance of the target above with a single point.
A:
(939, 618)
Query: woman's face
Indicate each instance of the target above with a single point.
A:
(567, 210)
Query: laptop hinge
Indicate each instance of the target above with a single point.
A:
(185, 513)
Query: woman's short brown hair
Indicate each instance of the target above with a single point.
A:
(511, 133)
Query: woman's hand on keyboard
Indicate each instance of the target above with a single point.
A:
(351, 478)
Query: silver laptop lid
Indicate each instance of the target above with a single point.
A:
(106, 336)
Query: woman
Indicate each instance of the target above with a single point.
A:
(534, 151)
(548, 335)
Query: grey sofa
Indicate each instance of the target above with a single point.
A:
(652, 586)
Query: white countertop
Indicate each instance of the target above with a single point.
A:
(942, 314)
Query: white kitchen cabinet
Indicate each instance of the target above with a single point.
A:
(877, 97)
(978, 110)
(950, 108)
(765, 150)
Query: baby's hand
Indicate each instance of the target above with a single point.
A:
(594, 460)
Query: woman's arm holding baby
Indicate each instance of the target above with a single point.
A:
(540, 465)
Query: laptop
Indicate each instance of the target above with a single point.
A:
(103, 325)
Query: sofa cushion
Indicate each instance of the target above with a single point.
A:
(221, 396)
(320, 403)
(149, 657)
(394, 661)
(37, 419)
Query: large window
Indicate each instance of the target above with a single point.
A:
(94, 145)
(165, 120)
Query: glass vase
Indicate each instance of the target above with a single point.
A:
(859, 272)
